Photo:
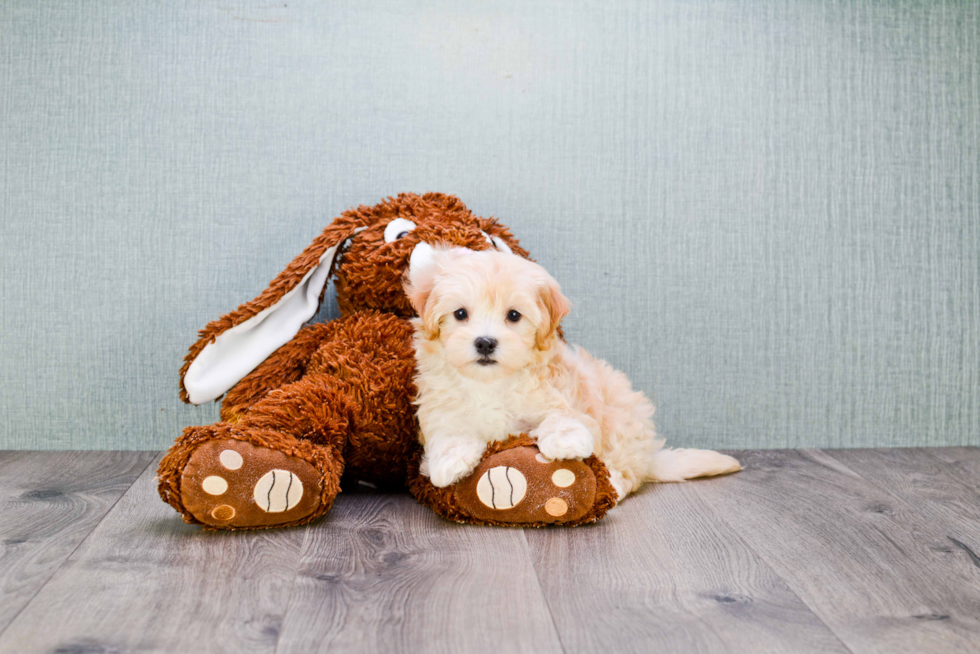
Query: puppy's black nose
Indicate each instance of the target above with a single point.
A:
(485, 346)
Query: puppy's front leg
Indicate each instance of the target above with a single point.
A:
(562, 436)
(448, 459)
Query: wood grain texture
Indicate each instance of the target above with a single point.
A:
(384, 574)
(880, 574)
(867, 551)
(924, 483)
(145, 581)
(663, 573)
(49, 503)
(959, 463)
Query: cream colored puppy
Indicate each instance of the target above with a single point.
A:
(491, 364)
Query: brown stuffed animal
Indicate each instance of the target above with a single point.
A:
(305, 405)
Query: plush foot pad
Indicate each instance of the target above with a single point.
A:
(233, 484)
(520, 486)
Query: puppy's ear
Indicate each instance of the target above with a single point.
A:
(555, 307)
(420, 283)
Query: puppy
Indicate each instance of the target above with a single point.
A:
(491, 363)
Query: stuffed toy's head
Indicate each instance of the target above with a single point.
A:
(368, 250)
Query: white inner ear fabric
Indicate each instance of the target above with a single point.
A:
(420, 258)
(501, 244)
(237, 352)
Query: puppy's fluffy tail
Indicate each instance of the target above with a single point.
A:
(678, 465)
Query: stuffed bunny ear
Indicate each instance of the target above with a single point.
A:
(232, 346)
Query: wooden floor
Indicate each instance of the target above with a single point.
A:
(836, 551)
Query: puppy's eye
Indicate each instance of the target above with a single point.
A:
(460, 314)
(513, 316)
(398, 229)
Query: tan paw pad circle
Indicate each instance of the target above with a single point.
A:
(502, 487)
(563, 478)
(223, 512)
(556, 507)
(231, 459)
(214, 485)
(278, 491)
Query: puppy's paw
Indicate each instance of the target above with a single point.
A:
(446, 470)
(452, 463)
(620, 484)
(562, 437)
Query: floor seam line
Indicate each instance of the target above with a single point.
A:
(80, 543)
(768, 563)
(537, 578)
(292, 586)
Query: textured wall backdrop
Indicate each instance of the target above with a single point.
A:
(767, 212)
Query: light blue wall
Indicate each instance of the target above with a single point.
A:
(767, 212)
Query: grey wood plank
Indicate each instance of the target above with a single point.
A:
(664, 573)
(928, 486)
(383, 574)
(49, 503)
(877, 572)
(145, 581)
(961, 464)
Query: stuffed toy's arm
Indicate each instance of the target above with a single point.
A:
(284, 366)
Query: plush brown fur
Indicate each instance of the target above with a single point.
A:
(338, 395)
